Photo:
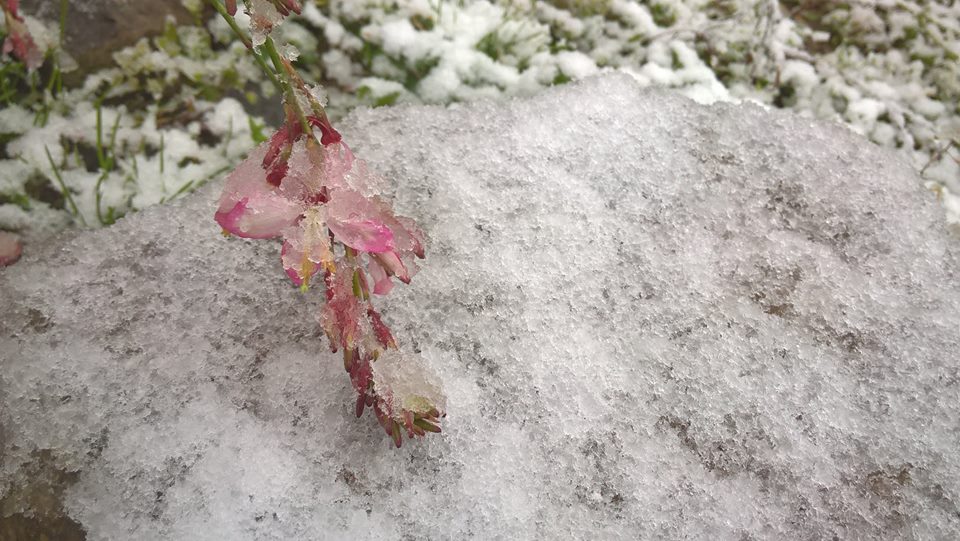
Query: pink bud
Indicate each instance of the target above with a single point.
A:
(10, 248)
(277, 173)
(380, 329)
(278, 140)
(361, 401)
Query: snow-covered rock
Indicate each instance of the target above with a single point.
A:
(651, 319)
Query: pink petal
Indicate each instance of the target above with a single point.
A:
(359, 222)
(263, 218)
(337, 162)
(347, 205)
(252, 208)
(306, 248)
(10, 248)
(21, 43)
(363, 235)
(295, 272)
(391, 262)
(294, 6)
(411, 239)
(382, 282)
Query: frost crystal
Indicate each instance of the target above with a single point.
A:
(264, 16)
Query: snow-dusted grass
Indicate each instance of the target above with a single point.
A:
(888, 70)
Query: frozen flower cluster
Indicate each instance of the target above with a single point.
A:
(305, 186)
(312, 195)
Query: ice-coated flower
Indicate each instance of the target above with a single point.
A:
(314, 202)
(265, 15)
(406, 398)
(319, 199)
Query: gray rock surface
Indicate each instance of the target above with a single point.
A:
(652, 319)
(96, 29)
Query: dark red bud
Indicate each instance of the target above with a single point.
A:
(277, 141)
(328, 284)
(328, 135)
(361, 402)
(231, 7)
(320, 197)
(381, 331)
(277, 173)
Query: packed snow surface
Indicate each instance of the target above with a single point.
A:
(651, 319)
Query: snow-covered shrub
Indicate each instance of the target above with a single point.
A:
(888, 70)
(166, 119)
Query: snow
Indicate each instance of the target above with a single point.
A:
(650, 318)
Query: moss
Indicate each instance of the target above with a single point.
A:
(583, 8)
(490, 45)
(422, 23)
(663, 15)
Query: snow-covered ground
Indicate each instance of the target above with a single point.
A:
(652, 319)
(888, 70)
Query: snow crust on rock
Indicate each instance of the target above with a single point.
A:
(652, 319)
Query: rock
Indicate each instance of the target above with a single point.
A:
(96, 29)
(652, 319)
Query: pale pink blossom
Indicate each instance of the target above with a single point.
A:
(19, 42)
(313, 201)
(10, 248)
(318, 198)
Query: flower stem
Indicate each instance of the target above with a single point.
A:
(232, 23)
(287, 76)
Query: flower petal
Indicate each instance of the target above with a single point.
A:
(10, 248)
(336, 163)
(21, 43)
(306, 247)
(394, 266)
(382, 284)
(252, 208)
(363, 235)
(358, 222)
(262, 218)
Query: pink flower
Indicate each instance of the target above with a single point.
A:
(313, 203)
(313, 195)
(10, 248)
(19, 41)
